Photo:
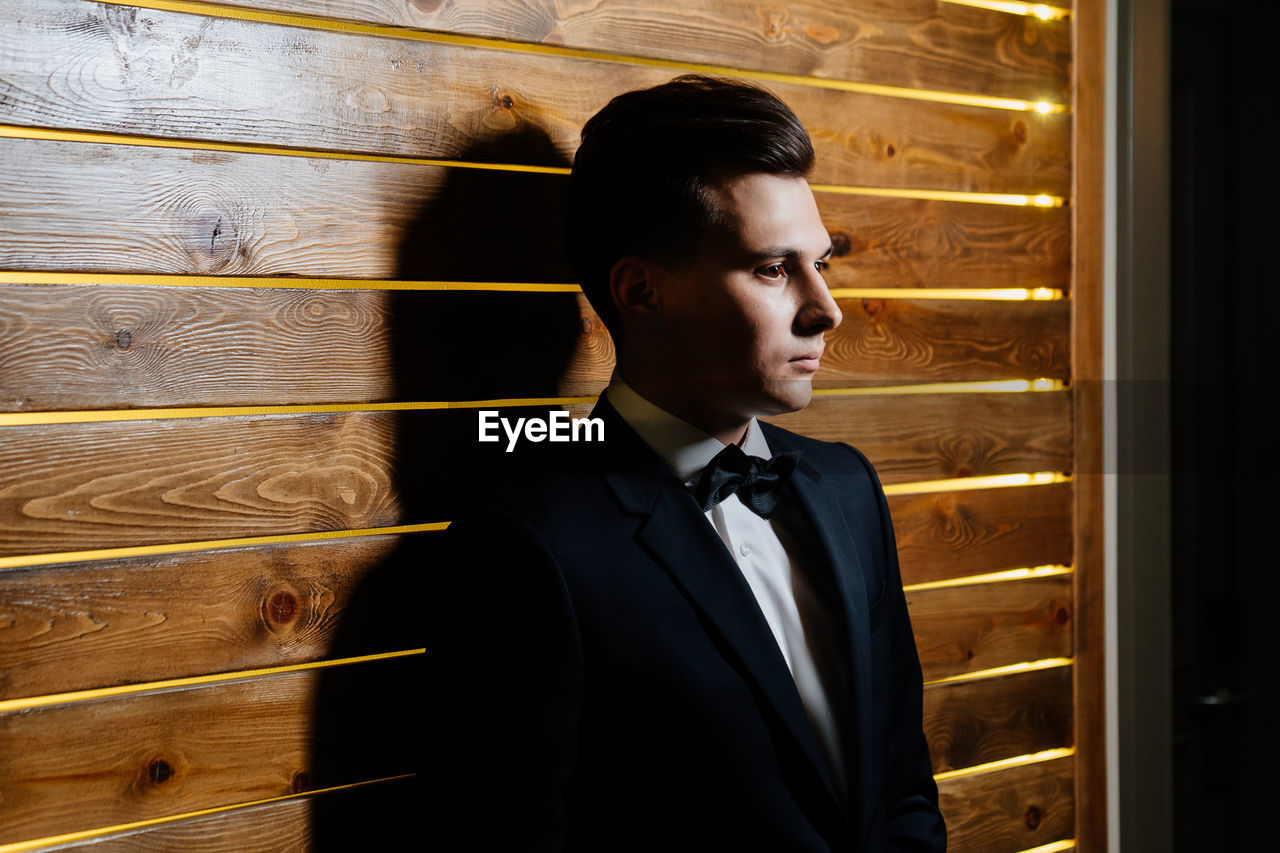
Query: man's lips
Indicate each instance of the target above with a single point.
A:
(808, 361)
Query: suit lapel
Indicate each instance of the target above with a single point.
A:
(674, 531)
(822, 503)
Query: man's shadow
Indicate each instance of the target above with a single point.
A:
(478, 225)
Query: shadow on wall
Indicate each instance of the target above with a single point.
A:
(478, 226)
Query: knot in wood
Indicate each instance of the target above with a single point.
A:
(281, 608)
(300, 782)
(1033, 817)
(124, 338)
(214, 243)
(585, 325)
(159, 771)
(844, 244)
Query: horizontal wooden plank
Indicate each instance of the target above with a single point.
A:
(98, 624)
(957, 534)
(141, 71)
(991, 719)
(1005, 811)
(376, 816)
(919, 44)
(67, 487)
(66, 768)
(90, 347)
(285, 827)
(938, 436)
(72, 487)
(981, 626)
(200, 212)
(114, 346)
(886, 341)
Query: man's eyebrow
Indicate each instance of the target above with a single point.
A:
(784, 252)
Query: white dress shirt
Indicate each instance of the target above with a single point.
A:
(776, 565)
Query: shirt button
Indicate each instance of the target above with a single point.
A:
(744, 549)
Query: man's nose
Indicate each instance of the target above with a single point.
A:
(819, 311)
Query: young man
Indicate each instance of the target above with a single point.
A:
(691, 635)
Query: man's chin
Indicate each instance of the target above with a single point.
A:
(789, 395)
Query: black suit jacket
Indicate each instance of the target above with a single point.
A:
(607, 681)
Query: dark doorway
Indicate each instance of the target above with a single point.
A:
(1224, 302)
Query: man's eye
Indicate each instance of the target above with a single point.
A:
(821, 265)
(773, 271)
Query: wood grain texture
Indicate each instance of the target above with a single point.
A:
(84, 625)
(76, 486)
(956, 534)
(884, 341)
(284, 827)
(90, 347)
(114, 346)
(967, 628)
(66, 768)
(140, 71)
(939, 436)
(1088, 328)
(103, 485)
(330, 822)
(976, 722)
(919, 44)
(1005, 811)
(200, 212)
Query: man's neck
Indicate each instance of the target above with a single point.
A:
(728, 429)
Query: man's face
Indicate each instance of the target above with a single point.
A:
(743, 322)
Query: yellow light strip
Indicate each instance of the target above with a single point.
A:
(23, 561)
(102, 832)
(1013, 199)
(1003, 386)
(995, 481)
(1010, 294)
(1053, 847)
(1003, 294)
(117, 415)
(73, 697)
(12, 131)
(333, 25)
(1031, 10)
(1005, 763)
(996, 672)
(986, 386)
(274, 282)
(991, 577)
(187, 413)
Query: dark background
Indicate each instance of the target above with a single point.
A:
(1225, 70)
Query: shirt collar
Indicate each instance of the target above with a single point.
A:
(685, 447)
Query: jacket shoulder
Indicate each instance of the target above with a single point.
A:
(825, 456)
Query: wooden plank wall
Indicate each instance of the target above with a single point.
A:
(223, 333)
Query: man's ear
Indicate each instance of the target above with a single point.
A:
(633, 286)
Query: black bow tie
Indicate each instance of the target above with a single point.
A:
(758, 482)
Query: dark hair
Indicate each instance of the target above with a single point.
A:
(642, 176)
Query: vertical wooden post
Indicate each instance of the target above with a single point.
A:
(1087, 264)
